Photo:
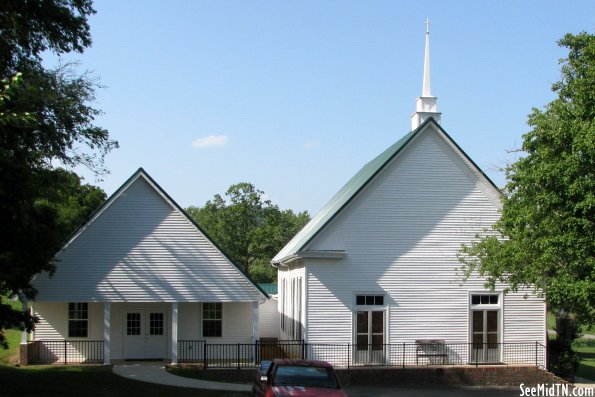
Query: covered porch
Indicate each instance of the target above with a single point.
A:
(101, 332)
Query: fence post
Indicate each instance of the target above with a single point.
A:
(536, 362)
(404, 354)
(256, 353)
(204, 355)
(238, 356)
(303, 349)
(348, 354)
(477, 356)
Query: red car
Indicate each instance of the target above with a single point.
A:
(296, 378)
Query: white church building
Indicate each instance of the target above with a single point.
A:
(377, 268)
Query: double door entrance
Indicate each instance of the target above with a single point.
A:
(370, 347)
(485, 327)
(144, 334)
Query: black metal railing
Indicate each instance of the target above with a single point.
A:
(65, 352)
(191, 351)
(241, 355)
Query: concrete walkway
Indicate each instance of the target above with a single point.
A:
(156, 373)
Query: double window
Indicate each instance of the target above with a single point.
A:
(212, 320)
(78, 319)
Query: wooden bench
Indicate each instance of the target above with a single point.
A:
(432, 349)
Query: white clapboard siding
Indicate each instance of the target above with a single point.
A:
(268, 318)
(142, 248)
(289, 301)
(401, 235)
(525, 317)
(189, 321)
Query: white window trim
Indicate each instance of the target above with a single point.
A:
(374, 308)
(487, 306)
(484, 306)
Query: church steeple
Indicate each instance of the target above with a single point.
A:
(426, 104)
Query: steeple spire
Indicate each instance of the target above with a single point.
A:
(426, 103)
(426, 84)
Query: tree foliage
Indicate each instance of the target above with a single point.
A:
(30, 27)
(248, 228)
(46, 121)
(34, 232)
(545, 238)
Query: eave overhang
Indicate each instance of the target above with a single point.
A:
(318, 254)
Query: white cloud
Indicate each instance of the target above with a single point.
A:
(211, 140)
(312, 144)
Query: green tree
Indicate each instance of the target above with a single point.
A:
(545, 237)
(46, 121)
(30, 27)
(249, 228)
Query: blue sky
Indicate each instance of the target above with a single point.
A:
(296, 96)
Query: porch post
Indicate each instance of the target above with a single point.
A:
(24, 309)
(106, 333)
(24, 348)
(255, 325)
(174, 333)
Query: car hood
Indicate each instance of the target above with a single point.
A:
(300, 391)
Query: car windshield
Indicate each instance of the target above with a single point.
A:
(308, 376)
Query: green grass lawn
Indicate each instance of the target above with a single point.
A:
(586, 351)
(11, 356)
(551, 324)
(88, 381)
(13, 336)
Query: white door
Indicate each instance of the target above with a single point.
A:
(369, 348)
(486, 336)
(144, 334)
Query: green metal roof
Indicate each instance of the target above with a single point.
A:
(341, 199)
(270, 289)
(350, 191)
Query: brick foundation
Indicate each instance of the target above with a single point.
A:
(497, 375)
(511, 376)
(24, 354)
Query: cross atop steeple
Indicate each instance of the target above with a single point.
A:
(426, 103)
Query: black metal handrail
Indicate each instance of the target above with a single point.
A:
(240, 355)
(191, 351)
